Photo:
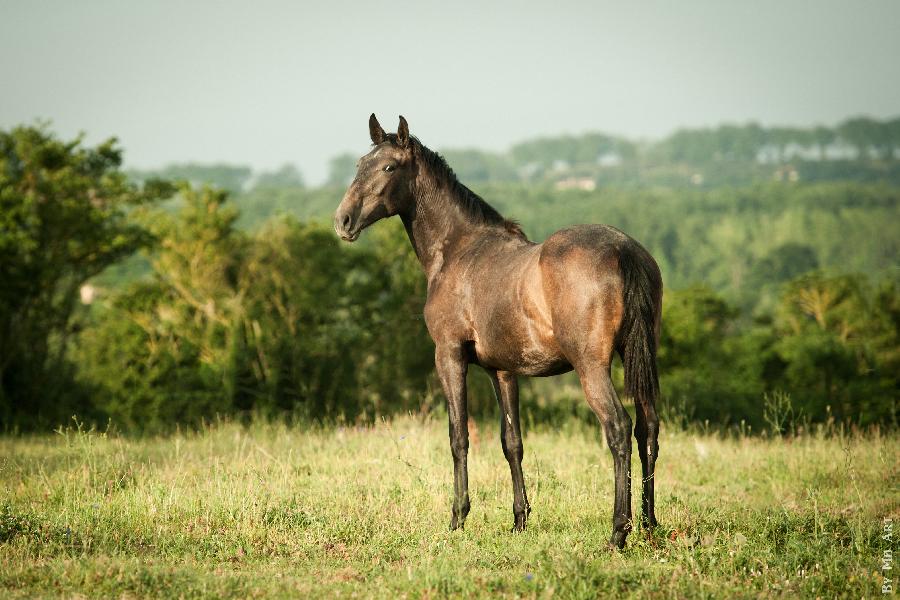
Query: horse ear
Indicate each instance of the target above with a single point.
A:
(403, 132)
(375, 131)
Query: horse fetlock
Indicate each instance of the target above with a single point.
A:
(618, 537)
(622, 523)
(520, 519)
(521, 512)
(458, 517)
(461, 511)
(524, 507)
(649, 522)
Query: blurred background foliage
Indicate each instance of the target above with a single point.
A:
(156, 299)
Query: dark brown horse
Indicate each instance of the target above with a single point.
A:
(514, 307)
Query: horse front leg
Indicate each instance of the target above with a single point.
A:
(451, 368)
(506, 387)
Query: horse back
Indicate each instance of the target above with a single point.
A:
(533, 309)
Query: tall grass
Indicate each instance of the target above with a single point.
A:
(270, 511)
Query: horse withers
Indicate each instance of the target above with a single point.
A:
(515, 307)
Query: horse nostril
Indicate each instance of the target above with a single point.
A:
(346, 222)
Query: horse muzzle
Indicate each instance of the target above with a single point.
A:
(345, 228)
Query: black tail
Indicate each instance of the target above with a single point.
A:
(637, 334)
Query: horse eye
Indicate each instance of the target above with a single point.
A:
(388, 168)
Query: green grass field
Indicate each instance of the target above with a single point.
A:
(271, 511)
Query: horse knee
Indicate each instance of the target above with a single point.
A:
(465, 506)
(622, 523)
(459, 447)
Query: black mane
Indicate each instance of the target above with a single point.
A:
(473, 204)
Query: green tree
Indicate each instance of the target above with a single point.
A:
(838, 340)
(868, 136)
(709, 368)
(782, 263)
(159, 353)
(63, 219)
(284, 322)
(823, 137)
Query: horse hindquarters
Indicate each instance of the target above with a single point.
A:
(604, 291)
(585, 292)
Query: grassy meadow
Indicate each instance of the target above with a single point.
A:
(272, 511)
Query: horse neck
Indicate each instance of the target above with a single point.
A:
(435, 223)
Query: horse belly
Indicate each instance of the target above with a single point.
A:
(517, 335)
(523, 357)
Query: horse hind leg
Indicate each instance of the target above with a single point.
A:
(646, 432)
(616, 423)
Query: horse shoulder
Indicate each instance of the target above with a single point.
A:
(444, 313)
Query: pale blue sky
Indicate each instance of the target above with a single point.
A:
(269, 81)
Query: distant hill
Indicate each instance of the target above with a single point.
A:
(857, 149)
(740, 208)
(742, 241)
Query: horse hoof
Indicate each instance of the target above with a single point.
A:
(617, 541)
(519, 524)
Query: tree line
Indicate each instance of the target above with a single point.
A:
(860, 148)
(279, 319)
